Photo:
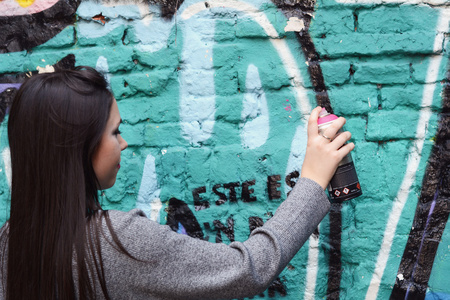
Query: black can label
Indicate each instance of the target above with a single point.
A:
(345, 184)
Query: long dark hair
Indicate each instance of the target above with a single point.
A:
(55, 124)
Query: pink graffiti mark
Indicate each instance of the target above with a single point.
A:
(13, 8)
(288, 107)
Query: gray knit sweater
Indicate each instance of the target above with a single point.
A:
(176, 266)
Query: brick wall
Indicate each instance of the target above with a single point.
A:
(215, 96)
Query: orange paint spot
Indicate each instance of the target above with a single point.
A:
(100, 18)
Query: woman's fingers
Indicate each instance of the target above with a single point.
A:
(333, 129)
(346, 149)
(313, 128)
(341, 139)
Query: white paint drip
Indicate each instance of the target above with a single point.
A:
(197, 92)
(312, 268)
(102, 67)
(46, 69)
(6, 154)
(294, 24)
(413, 161)
(280, 45)
(255, 125)
(148, 198)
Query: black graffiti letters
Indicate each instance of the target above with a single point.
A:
(272, 186)
(198, 202)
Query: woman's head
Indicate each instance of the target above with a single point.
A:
(56, 125)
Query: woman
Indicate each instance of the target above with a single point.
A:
(59, 244)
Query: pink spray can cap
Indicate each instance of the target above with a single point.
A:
(325, 117)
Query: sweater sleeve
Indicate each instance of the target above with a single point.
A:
(169, 265)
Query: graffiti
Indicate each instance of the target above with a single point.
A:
(40, 22)
(431, 216)
(215, 95)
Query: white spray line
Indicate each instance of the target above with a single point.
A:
(312, 267)
(148, 197)
(413, 160)
(6, 154)
(280, 45)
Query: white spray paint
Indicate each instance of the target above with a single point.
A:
(148, 198)
(255, 125)
(312, 268)
(413, 159)
(102, 67)
(197, 92)
(6, 154)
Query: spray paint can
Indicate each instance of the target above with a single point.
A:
(345, 184)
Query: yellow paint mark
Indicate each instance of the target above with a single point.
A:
(25, 3)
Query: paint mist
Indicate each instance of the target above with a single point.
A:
(344, 184)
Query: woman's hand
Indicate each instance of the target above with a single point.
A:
(323, 155)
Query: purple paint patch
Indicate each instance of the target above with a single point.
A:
(181, 229)
(5, 86)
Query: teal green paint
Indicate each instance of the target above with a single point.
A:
(382, 71)
(351, 100)
(397, 19)
(119, 57)
(335, 72)
(357, 126)
(367, 44)
(111, 39)
(328, 22)
(66, 38)
(400, 125)
(407, 96)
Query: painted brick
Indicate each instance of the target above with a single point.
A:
(120, 87)
(397, 19)
(163, 58)
(226, 79)
(382, 71)
(227, 54)
(340, 45)
(163, 135)
(119, 58)
(400, 125)
(113, 37)
(357, 126)
(330, 22)
(151, 83)
(225, 30)
(13, 62)
(420, 67)
(153, 110)
(335, 72)
(406, 96)
(198, 168)
(134, 133)
(354, 99)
